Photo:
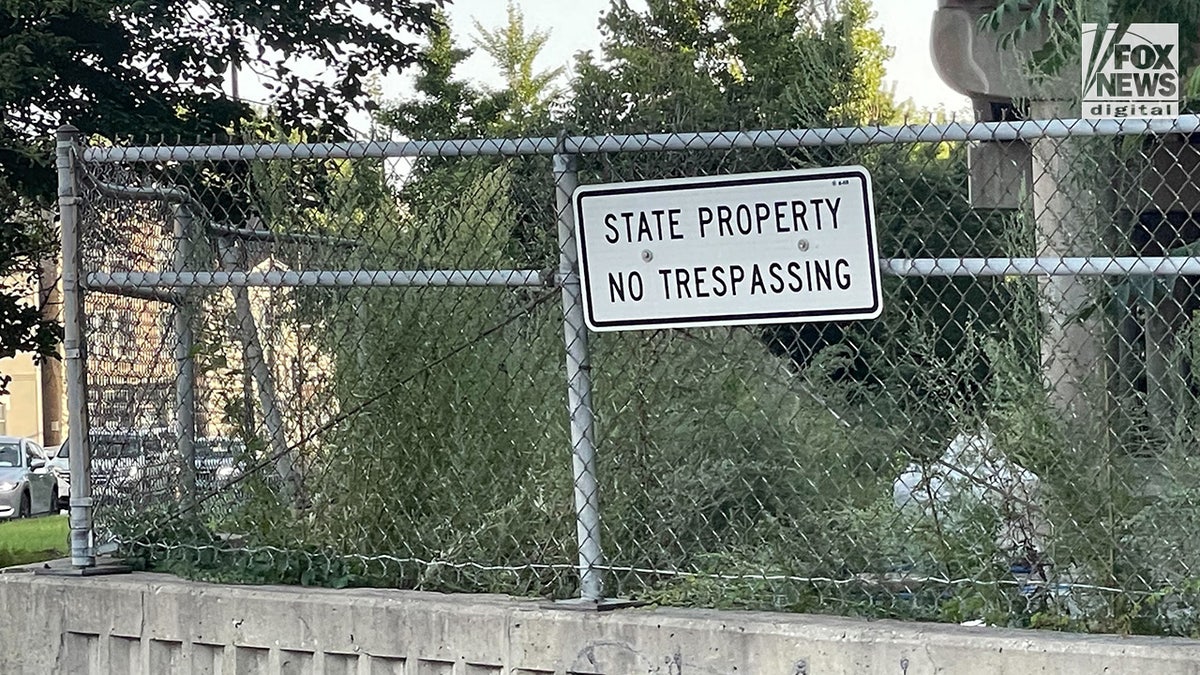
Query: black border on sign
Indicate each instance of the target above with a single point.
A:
(864, 178)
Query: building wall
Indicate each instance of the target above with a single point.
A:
(22, 406)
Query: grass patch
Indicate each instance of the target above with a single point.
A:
(32, 540)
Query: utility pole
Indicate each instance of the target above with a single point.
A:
(234, 64)
(233, 78)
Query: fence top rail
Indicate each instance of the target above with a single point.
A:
(714, 140)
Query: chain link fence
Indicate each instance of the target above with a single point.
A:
(344, 364)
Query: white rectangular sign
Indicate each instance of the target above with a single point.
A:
(778, 247)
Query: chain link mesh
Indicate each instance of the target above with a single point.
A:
(1011, 442)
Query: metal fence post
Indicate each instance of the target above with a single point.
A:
(232, 259)
(185, 362)
(579, 388)
(74, 352)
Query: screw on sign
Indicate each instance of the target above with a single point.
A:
(778, 247)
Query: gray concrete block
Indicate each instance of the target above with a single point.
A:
(148, 623)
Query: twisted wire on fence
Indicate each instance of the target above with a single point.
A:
(381, 389)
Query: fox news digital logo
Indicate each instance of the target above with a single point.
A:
(1130, 70)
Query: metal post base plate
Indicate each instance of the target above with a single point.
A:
(64, 568)
(602, 605)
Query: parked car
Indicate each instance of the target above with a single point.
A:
(144, 461)
(58, 459)
(218, 461)
(134, 461)
(27, 485)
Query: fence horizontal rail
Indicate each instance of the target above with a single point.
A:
(1046, 266)
(139, 292)
(719, 140)
(143, 193)
(126, 280)
(121, 282)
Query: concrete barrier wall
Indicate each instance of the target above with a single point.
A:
(151, 624)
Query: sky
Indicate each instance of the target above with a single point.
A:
(573, 27)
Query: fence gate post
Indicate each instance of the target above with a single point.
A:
(79, 461)
(579, 388)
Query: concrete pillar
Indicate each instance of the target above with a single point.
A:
(1068, 219)
(1041, 177)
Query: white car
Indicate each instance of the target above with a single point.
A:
(27, 485)
(218, 461)
(135, 463)
(59, 463)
